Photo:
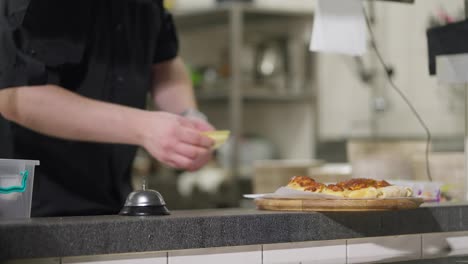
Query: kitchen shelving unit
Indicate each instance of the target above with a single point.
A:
(236, 17)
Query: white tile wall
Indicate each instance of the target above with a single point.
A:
(400, 31)
(140, 258)
(384, 249)
(230, 255)
(445, 244)
(324, 252)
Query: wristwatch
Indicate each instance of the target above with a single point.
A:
(194, 113)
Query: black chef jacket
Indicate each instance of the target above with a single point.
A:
(101, 49)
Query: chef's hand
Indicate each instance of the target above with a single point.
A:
(176, 141)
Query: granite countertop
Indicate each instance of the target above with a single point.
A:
(74, 236)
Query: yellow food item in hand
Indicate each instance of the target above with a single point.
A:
(219, 137)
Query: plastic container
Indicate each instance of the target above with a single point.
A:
(16, 188)
(429, 191)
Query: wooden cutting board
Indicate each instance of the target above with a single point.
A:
(329, 205)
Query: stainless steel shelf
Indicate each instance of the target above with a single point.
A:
(218, 15)
(257, 97)
(252, 8)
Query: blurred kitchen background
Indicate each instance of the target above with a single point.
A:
(293, 112)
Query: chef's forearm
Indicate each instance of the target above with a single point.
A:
(172, 87)
(57, 112)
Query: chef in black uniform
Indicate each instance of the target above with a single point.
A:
(74, 80)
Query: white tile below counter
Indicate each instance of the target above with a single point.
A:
(363, 250)
(226, 255)
(34, 261)
(132, 258)
(324, 252)
(445, 244)
(384, 249)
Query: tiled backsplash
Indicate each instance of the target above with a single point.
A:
(363, 250)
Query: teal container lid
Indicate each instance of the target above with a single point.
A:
(19, 162)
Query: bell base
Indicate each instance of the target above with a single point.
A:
(144, 210)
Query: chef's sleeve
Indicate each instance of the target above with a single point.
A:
(167, 44)
(20, 65)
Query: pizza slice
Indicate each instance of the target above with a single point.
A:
(370, 188)
(219, 137)
(335, 190)
(304, 183)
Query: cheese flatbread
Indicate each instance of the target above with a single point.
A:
(365, 193)
(354, 188)
(396, 191)
(334, 193)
